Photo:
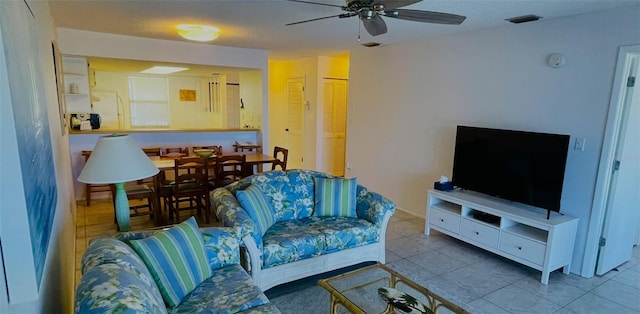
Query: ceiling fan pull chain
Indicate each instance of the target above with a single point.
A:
(359, 27)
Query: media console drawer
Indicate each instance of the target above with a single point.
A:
(445, 220)
(480, 233)
(520, 247)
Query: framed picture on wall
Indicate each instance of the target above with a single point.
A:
(187, 95)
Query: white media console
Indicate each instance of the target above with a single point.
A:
(513, 230)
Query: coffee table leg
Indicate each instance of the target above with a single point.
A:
(334, 305)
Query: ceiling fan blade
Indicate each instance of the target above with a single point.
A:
(316, 19)
(318, 3)
(375, 26)
(393, 4)
(425, 16)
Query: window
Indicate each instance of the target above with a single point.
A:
(149, 101)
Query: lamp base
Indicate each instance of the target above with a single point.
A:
(122, 208)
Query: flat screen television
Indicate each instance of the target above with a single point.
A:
(524, 167)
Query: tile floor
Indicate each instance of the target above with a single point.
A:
(476, 279)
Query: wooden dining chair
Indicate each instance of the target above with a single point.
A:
(136, 192)
(190, 188)
(91, 188)
(229, 168)
(217, 151)
(151, 151)
(280, 162)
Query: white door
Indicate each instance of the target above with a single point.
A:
(334, 127)
(295, 122)
(622, 216)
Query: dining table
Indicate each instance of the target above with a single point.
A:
(163, 163)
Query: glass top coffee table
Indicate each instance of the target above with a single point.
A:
(358, 292)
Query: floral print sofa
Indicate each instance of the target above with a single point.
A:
(116, 280)
(300, 244)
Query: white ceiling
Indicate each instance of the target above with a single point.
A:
(260, 24)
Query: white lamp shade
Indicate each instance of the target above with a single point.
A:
(116, 159)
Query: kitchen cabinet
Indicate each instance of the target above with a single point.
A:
(76, 84)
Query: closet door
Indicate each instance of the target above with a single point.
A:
(334, 127)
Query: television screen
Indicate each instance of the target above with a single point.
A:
(525, 167)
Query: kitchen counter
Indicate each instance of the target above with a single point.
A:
(108, 131)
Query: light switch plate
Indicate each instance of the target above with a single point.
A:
(579, 144)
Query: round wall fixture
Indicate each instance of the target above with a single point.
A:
(556, 60)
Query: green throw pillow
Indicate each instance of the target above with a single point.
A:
(335, 197)
(176, 259)
(257, 206)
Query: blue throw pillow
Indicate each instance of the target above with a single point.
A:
(257, 206)
(335, 197)
(176, 259)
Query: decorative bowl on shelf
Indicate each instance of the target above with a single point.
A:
(203, 152)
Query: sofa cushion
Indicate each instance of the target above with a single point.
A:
(335, 197)
(289, 241)
(303, 198)
(221, 247)
(344, 232)
(229, 290)
(176, 259)
(117, 288)
(277, 190)
(257, 206)
(105, 250)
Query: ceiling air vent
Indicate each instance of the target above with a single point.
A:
(371, 44)
(524, 18)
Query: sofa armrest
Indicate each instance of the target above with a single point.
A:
(373, 206)
(221, 246)
(232, 215)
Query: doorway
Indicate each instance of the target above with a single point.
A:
(615, 220)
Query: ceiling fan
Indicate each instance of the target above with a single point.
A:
(370, 12)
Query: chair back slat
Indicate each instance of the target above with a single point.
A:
(280, 162)
(229, 168)
(190, 186)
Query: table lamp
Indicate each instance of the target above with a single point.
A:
(117, 159)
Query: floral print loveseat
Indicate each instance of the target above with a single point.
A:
(116, 280)
(300, 243)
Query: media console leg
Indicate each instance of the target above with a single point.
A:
(545, 277)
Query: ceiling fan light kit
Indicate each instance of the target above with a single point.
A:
(370, 12)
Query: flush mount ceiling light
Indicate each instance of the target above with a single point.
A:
(163, 70)
(198, 32)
